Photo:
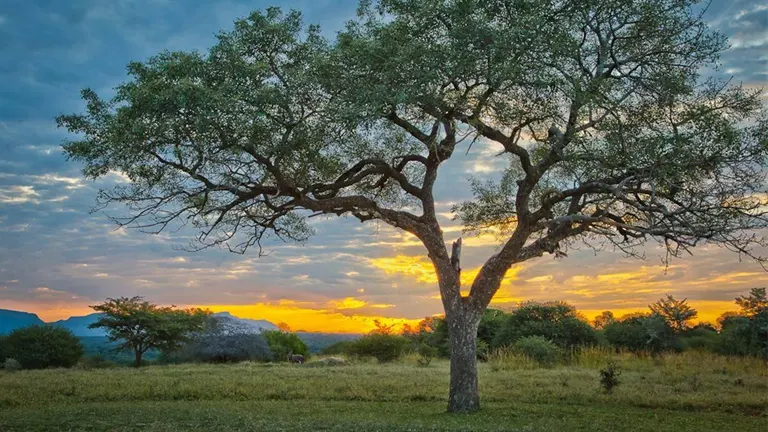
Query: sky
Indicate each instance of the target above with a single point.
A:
(57, 258)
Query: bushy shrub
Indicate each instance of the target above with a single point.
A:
(337, 348)
(701, 338)
(96, 362)
(382, 347)
(482, 350)
(557, 322)
(11, 365)
(282, 344)
(42, 346)
(426, 354)
(641, 333)
(609, 376)
(538, 348)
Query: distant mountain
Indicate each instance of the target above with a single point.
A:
(79, 325)
(239, 325)
(11, 320)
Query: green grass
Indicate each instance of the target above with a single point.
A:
(685, 392)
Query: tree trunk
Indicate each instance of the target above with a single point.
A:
(138, 358)
(463, 396)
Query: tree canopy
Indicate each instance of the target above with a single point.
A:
(141, 325)
(677, 313)
(611, 134)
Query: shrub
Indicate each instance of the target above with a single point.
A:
(382, 347)
(555, 321)
(337, 348)
(641, 333)
(42, 346)
(11, 365)
(426, 354)
(538, 348)
(609, 376)
(4, 351)
(482, 350)
(223, 348)
(282, 344)
(96, 362)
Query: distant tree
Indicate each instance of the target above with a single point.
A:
(282, 344)
(382, 328)
(677, 313)
(284, 327)
(384, 347)
(140, 325)
(642, 333)
(602, 320)
(756, 302)
(746, 332)
(43, 346)
(606, 126)
(558, 322)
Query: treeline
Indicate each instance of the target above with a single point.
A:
(137, 326)
(546, 331)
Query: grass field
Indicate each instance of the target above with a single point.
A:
(695, 392)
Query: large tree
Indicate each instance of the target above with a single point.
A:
(598, 107)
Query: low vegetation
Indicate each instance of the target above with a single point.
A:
(661, 395)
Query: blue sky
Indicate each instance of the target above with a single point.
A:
(56, 257)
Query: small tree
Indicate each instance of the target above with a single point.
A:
(282, 344)
(558, 322)
(141, 325)
(677, 313)
(756, 302)
(598, 109)
(43, 346)
(603, 320)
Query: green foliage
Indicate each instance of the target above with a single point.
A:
(43, 346)
(701, 337)
(140, 325)
(641, 333)
(4, 349)
(426, 354)
(341, 347)
(381, 346)
(554, 321)
(609, 376)
(603, 320)
(677, 313)
(282, 344)
(540, 349)
(11, 365)
(432, 331)
(753, 304)
(96, 362)
(491, 324)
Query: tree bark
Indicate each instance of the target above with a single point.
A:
(138, 358)
(463, 396)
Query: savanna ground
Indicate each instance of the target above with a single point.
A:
(689, 391)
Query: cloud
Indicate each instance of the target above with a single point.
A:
(345, 277)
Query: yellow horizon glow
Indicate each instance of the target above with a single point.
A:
(303, 317)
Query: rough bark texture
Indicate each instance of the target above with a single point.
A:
(463, 396)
